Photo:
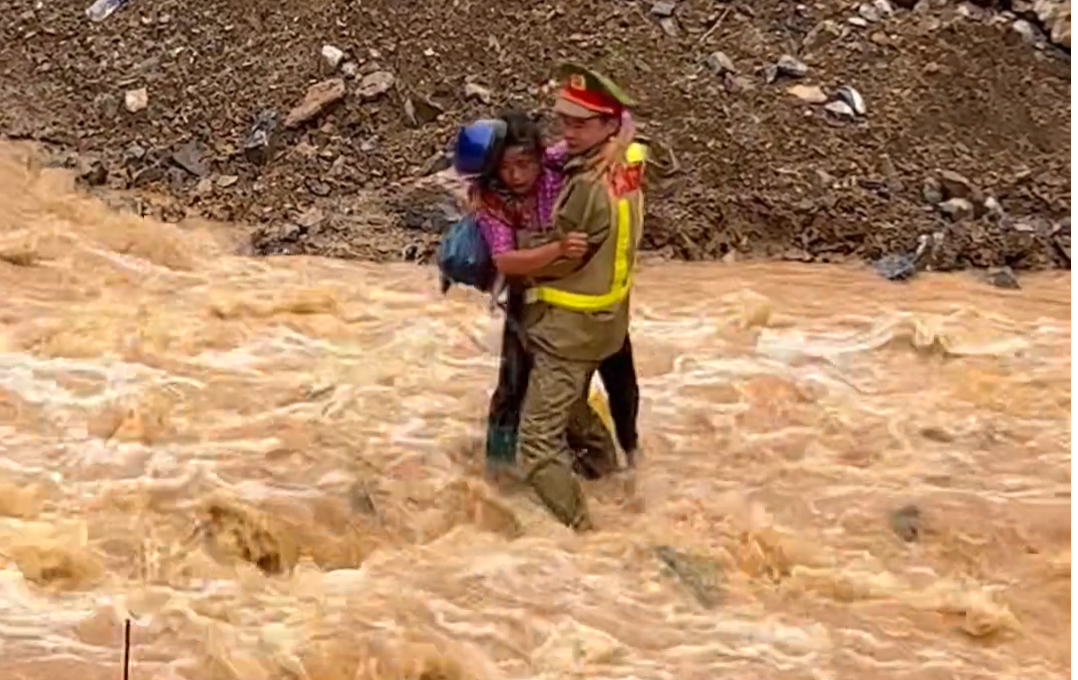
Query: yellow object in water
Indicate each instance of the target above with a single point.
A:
(598, 401)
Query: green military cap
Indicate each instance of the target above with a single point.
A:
(586, 94)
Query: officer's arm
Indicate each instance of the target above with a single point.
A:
(585, 211)
(527, 261)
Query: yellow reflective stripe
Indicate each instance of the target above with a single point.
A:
(621, 252)
(576, 302)
(637, 153)
(639, 213)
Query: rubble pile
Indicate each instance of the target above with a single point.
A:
(821, 131)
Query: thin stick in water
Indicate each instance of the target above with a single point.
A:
(127, 649)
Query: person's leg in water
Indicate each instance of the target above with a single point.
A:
(508, 397)
(623, 394)
(595, 454)
(589, 437)
(556, 388)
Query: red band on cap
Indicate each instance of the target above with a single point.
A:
(592, 101)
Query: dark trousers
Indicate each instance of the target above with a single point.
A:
(618, 374)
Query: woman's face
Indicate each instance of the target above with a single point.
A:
(519, 169)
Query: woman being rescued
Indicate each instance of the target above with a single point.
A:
(517, 182)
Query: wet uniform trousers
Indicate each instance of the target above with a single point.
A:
(618, 373)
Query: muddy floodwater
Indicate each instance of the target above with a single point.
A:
(271, 467)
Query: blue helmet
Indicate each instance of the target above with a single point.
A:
(478, 145)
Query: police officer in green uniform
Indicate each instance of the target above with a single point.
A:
(577, 312)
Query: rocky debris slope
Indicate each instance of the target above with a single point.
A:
(808, 131)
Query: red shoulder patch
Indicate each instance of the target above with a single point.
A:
(626, 179)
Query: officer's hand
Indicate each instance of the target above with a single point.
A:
(574, 245)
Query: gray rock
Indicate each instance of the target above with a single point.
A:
(1062, 242)
(331, 58)
(289, 232)
(868, 12)
(421, 110)
(1024, 29)
(374, 85)
(840, 109)
(821, 34)
(955, 185)
(853, 98)
(136, 100)
(311, 218)
(318, 188)
(108, 104)
(147, 175)
(435, 163)
(428, 209)
(735, 83)
(993, 207)
(890, 172)
(791, 67)
(225, 181)
(134, 153)
(1002, 277)
(896, 266)
(669, 26)
(957, 209)
(189, 157)
(349, 69)
(719, 63)
(92, 172)
(702, 577)
(663, 8)
(906, 522)
(967, 12)
(478, 92)
(261, 141)
(883, 7)
(880, 38)
(932, 191)
(1055, 16)
(177, 179)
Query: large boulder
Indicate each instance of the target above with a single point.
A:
(1055, 16)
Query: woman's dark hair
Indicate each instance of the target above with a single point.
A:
(521, 132)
